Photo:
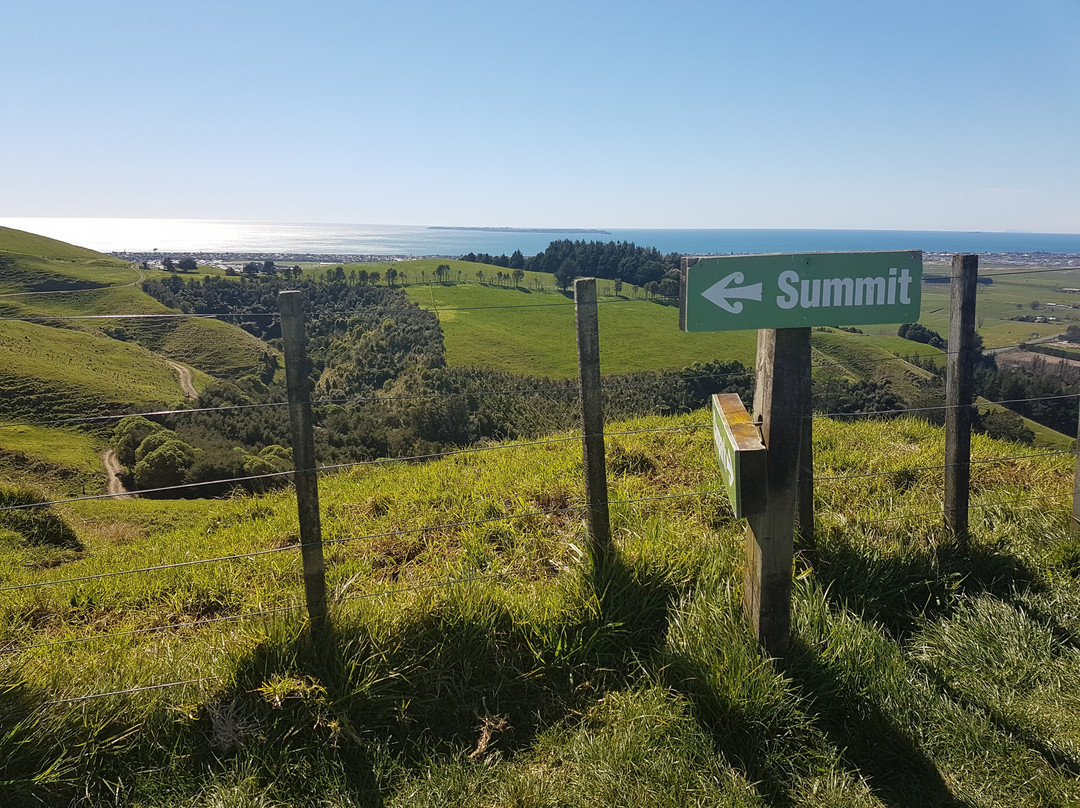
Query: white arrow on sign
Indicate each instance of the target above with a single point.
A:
(721, 295)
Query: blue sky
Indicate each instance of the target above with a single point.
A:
(940, 115)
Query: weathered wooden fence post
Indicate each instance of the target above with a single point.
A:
(806, 473)
(306, 478)
(1076, 480)
(592, 414)
(959, 391)
(782, 385)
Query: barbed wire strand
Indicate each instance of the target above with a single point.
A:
(521, 391)
(137, 316)
(154, 629)
(419, 458)
(130, 690)
(1031, 271)
(368, 399)
(568, 389)
(424, 396)
(156, 568)
(337, 601)
(445, 582)
(311, 312)
(941, 407)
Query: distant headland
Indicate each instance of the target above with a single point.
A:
(525, 229)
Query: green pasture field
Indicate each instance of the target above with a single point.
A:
(997, 302)
(533, 332)
(1010, 295)
(49, 370)
(60, 462)
(526, 331)
(647, 337)
(476, 657)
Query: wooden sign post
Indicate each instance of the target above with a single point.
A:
(592, 417)
(960, 392)
(783, 296)
(780, 395)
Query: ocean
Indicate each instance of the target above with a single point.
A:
(174, 236)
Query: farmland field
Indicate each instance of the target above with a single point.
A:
(527, 331)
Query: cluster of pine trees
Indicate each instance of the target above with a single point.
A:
(621, 261)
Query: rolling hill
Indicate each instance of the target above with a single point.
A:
(84, 362)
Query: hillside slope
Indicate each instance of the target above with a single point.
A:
(477, 659)
(66, 356)
(79, 282)
(56, 371)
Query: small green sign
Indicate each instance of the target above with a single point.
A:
(741, 454)
(732, 293)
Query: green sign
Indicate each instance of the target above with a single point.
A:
(732, 293)
(741, 454)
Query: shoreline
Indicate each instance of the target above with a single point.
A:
(1063, 261)
(277, 257)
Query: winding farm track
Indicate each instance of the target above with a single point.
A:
(185, 379)
(113, 469)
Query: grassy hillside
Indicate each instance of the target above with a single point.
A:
(59, 462)
(24, 243)
(58, 371)
(861, 357)
(71, 367)
(83, 283)
(35, 263)
(213, 346)
(476, 659)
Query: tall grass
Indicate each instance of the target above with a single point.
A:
(486, 662)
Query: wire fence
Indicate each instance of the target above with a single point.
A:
(610, 385)
(341, 596)
(336, 467)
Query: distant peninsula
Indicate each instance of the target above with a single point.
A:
(525, 229)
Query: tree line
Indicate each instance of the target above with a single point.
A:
(620, 261)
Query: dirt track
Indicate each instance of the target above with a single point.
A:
(185, 379)
(113, 469)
